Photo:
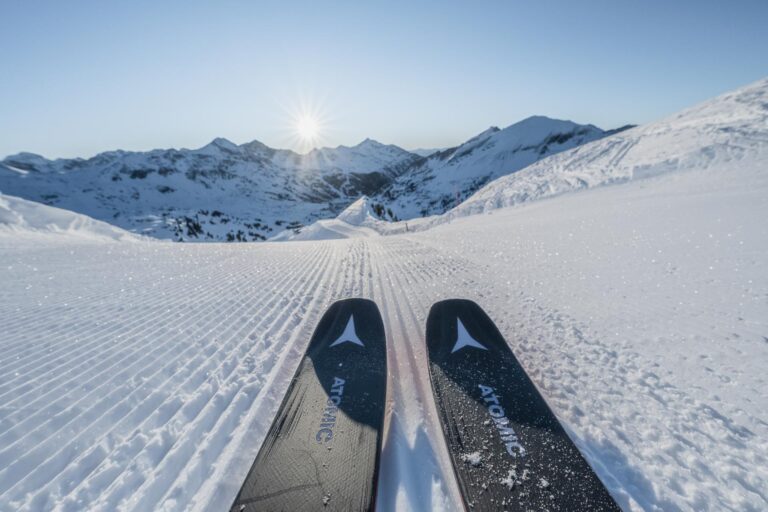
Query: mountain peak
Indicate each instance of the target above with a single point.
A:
(534, 130)
(221, 143)
(368, 142)
(541, 122)
(25, 157)
(536, 118)
(256, 145)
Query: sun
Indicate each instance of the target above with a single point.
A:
(307, 128)
(307, 123)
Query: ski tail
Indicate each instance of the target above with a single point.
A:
(322, 451)
(508, 450)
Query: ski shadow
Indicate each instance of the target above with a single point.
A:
(624, 481)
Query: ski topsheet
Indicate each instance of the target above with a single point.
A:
(508, 450)
(322, 451)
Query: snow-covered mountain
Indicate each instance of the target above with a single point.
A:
(426, 151)
(221, 191)
(447, 177)
(721, 133)
(249, 192)
(726, 131)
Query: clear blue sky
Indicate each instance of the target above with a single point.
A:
(86, 76)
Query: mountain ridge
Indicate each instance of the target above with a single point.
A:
(714, 136)
(444, 179)
(224, 191)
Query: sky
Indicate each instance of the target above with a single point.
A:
(88, 76)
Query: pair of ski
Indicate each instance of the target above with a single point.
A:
(507, 448)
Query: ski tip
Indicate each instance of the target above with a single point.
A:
(348, 325)
(460, 327)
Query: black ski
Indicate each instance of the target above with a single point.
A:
(508, 450)
(322, 451)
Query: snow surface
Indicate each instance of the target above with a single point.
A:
(426, 151)
(144, 376)
(149, 381)
(22, 218)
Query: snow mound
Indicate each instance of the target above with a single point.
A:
(19, 216)
(726, 130)
(358, 220)
(359, 213)
(328, 229)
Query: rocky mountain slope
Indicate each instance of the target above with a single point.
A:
(221, 191)
(445, 178)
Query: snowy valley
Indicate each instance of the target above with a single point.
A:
(627, 271)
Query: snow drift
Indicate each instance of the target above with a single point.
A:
(19, 217)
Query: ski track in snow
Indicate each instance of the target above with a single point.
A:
(144, 376)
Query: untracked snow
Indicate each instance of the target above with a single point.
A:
(22, 218)
(144, 376)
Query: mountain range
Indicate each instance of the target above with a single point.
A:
(717, 135)
(444, 179)
(251, 192)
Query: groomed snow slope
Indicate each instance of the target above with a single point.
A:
(145, 376)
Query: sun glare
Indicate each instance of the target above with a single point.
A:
(307, 123)
(307, 128)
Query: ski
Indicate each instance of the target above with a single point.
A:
(508, 450)
(322, 450)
